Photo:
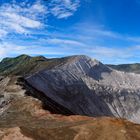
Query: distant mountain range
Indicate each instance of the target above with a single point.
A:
(74, 85)
(134, 68)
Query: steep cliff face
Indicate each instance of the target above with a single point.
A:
(87, 87)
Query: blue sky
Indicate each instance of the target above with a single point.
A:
(107, 30)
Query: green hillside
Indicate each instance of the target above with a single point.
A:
(24, 64)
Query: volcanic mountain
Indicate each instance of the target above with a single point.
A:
(39, 95)
(87, 87)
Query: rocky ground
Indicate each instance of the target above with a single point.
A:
(26, 120)
(23, 118)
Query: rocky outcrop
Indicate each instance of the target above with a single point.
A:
(87, 87)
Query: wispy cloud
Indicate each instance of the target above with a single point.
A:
(134, 39)
(64, 8)
(22, 18)
(64, 42)
(28, 18)
(102, 53)
(7, 48)
(15, 18)
(97, 32)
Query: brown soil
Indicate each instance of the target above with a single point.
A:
(26, 120)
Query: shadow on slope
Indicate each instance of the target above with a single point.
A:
(80, 107)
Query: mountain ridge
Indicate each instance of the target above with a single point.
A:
(132, 68)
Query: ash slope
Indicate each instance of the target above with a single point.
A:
(87, 87)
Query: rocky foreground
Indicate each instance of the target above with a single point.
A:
(25, 119)
(86, 100)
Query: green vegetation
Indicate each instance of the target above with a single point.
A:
(24, 64)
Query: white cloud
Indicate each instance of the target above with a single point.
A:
(17, 19)
(23, 17)
(7, 49)
(62, 42)
(63, 8)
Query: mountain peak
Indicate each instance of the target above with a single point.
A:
(20, 57)
(23, 56)
(96, 62)
(82, 59)
(79, 57)
(83, 62)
